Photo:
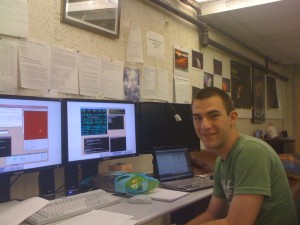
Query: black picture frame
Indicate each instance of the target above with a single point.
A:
(240, 75)
(101, 16)
(272, 95)
(258, 97)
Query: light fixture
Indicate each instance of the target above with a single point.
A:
(217, 6)
(203, 1)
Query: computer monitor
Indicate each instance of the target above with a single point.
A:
(99, 130)
(30, 135)
(160, 128)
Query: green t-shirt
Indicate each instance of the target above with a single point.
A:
(253, 167)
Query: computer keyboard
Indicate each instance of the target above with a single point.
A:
(194, 181)
(188, 184)
(70, 206)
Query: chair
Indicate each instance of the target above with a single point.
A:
(203, 161)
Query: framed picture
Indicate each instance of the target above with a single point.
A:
(197, 60)
(240, 79)
(100, 16)
(258, 91)
(217, 67)
(272, 95)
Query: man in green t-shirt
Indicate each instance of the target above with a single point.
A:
(251, 187)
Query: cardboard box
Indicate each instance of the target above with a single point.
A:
(120, 167)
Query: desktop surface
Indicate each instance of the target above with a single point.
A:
(145, 213)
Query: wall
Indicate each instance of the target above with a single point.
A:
(294, 102)
(45, 25)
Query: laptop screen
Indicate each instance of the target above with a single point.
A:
(173, 164)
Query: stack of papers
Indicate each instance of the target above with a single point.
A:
(167, 195)
(15, 212)
(98, 217)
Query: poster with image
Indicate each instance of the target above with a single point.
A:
(240, 85)
(181, 62)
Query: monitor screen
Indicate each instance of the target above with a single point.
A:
(159, 128)
(30, 134)
(99, 129)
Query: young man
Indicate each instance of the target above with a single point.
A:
(251, 187)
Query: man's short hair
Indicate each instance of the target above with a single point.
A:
(209, 92)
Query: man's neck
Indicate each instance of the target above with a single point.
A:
(224, 152)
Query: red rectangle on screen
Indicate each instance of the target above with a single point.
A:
(35, 125)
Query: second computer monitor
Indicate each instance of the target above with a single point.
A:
(98, 130)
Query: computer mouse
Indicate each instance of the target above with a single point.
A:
(140, 199)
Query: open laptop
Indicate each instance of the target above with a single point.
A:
(173, 169)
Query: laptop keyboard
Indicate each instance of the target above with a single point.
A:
(194, 183)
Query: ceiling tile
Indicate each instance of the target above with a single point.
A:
(270, 29)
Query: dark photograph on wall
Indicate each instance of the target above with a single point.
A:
(226, 84)
(258, 91)
(181, 60)
(208, 80)
(217, 67)
(272, 97)
(240, 85)
(197, 60)
(132, 84)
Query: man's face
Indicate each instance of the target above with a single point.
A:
(212, 124)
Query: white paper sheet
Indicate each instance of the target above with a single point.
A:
(134, 46)
(8, 64)
(162, 85)
(34, 59)
(98, 217)
(89, 74)
(149, 87)
(155, 45)
(167, 195)
(17, 212)
(182, 90)
(14, 18)
(63, 70)
(112, 78)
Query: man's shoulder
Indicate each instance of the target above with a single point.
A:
(252, 146)
(249, 140)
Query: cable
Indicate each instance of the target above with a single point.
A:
(16, 178)
(176, 115)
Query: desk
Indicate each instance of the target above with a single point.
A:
(146, 213)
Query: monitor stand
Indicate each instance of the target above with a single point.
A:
(89, 169)
(71, 180)
(4, 189)
(47, 184)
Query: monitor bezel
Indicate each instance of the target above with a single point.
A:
(40, 168)
(66, 160)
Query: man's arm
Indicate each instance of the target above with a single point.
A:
(243, 211)
(217, 209)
